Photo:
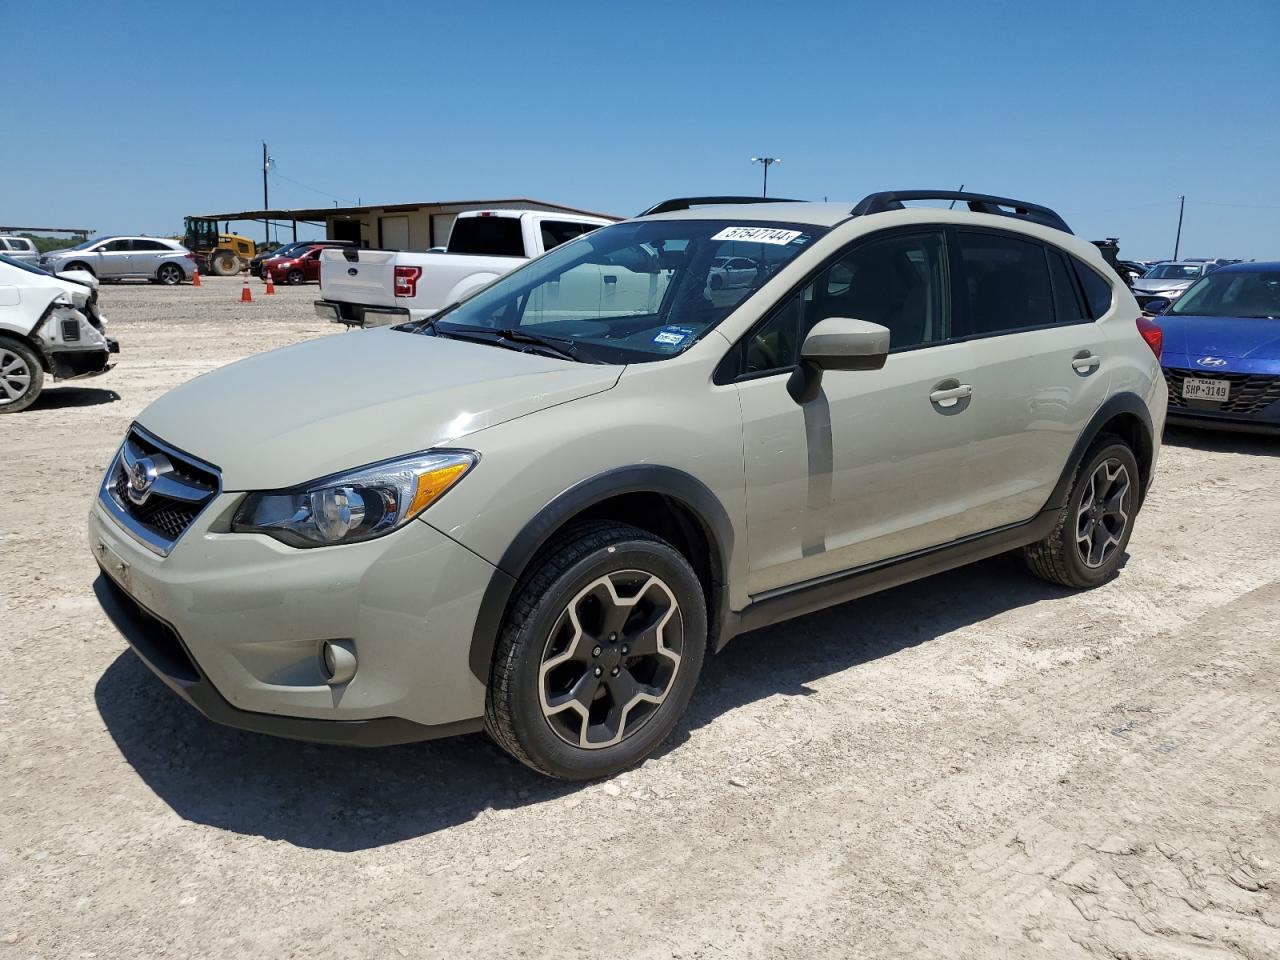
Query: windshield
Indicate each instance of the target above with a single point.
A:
(1174, 271)
(633, 292)
(23, 265)
(1235, 293)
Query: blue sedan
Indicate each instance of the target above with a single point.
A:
(1222, 349)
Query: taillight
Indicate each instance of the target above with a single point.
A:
(407, 281)
(1152, 333)
(189, 255)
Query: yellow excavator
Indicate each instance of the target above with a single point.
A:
(224, 254)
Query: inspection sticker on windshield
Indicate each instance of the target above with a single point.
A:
(673, 336)
(757, 235)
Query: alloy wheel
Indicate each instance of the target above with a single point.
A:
(15, 377)
(170, 275)
(611, 659)
(1103, 514)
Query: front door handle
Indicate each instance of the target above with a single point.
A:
(1085, 362)
(950, 396)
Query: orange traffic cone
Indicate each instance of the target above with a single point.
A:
(195, 278)
(245, 295)
(271, 285)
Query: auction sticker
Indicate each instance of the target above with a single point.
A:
(673, 336)
(757, 235)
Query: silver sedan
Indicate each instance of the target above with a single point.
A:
(121, 258)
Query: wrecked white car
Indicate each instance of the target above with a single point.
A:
(49, 325)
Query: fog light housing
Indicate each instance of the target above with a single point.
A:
(338, 661)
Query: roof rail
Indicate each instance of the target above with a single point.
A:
(978, 203)
(687, 203)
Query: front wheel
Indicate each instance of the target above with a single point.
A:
(1089, 539)
(21, 376)
(599, 653)
(225, 263)
(295, 278)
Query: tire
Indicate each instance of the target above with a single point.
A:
(544, 671)
(170, 274)
(295, 278)
(21, 376)
(717, 282)
(1088, 540)
(79, 266)
(225, 264)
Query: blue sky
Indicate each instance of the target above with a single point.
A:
(133, 115)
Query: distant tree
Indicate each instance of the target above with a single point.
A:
(45, 244)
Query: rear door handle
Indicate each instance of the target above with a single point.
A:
(1085, 362)
(952, 395)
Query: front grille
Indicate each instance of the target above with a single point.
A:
(174, 488)
(1250, 392)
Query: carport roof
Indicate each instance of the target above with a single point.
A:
(321, 213)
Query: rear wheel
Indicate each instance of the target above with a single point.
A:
(170, 274)
(599, 653)
(21, 376)
(225, 263)
(295, 277)
(1089, 539)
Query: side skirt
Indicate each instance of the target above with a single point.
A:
(788, 602)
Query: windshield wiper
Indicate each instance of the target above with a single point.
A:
(511, 339)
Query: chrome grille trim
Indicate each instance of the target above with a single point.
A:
(176, 498)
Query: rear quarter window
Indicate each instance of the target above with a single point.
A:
(1097, 292)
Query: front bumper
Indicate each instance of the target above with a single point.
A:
(233, 623)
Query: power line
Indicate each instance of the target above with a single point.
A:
(297, 183)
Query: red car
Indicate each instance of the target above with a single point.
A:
(299, 266)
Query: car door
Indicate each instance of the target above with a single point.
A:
(1040, 368)
(876, 466)
(113, 259)
(311, 264)
(146, 256)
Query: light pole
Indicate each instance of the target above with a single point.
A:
(767, 162)
(1177, 240)
(266, 165)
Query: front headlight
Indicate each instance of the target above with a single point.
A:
(351, 507)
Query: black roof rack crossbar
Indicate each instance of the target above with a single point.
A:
(687, 203)
(978, 203)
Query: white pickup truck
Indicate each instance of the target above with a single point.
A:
(370, 288)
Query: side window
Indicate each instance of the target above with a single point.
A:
(555, 232)
(1005, 285)
(147, 246)
(898, 282)
(1097, 292)
(1067, 305)
(115, 246)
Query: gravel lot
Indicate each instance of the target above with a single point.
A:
(978, 765)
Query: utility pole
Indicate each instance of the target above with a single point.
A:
(767, 162)
(1177, 240)
(266, 204)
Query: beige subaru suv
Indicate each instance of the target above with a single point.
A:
(538, 511)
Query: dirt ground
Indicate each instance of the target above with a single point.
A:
(974, 766)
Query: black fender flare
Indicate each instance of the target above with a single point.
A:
(1121, 403)
(675, 484)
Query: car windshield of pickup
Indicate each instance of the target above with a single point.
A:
(630, 292)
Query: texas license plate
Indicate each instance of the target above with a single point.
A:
(1194, 388)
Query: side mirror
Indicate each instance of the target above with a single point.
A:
(837, 343)
(1157, 305)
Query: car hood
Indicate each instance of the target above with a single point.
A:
(1155, 286)
(1226, 337)
(345, 400)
